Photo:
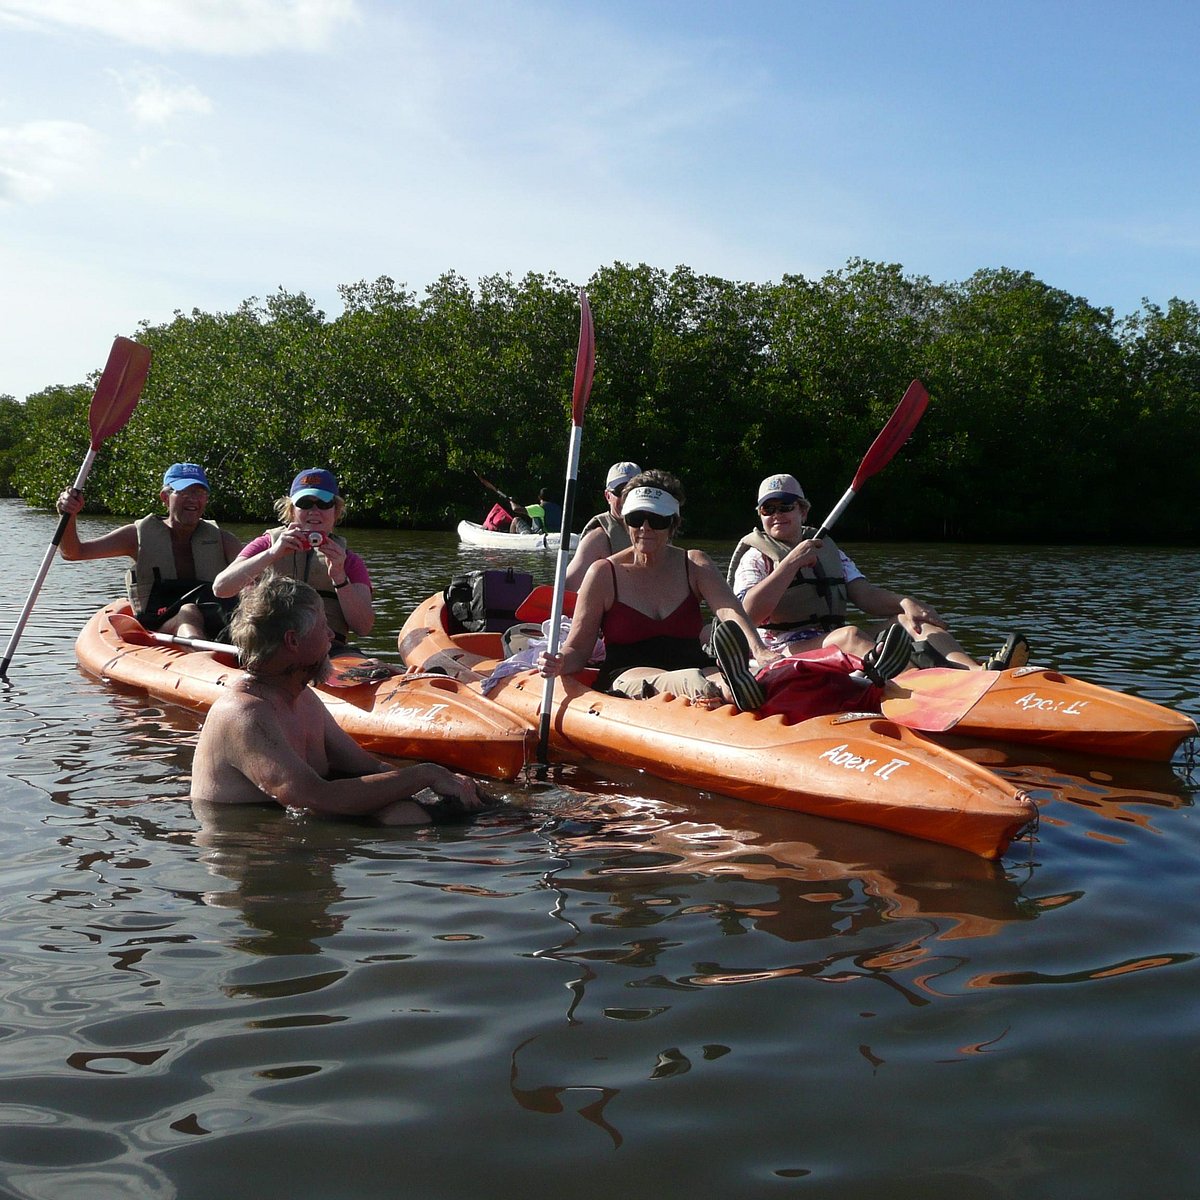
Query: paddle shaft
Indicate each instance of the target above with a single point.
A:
(839, 508)
(44, 569)
(172, 639)
(585, 365)
(560, 586)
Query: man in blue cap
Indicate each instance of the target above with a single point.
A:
(176, 557)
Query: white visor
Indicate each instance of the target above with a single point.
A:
(650, 499)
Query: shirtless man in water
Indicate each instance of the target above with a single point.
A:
(269, 738)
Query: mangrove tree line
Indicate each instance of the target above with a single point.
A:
(1049, 418)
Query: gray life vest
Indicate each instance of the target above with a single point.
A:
(614, 529)
(817, 594)
(156, 557)
(309, 567)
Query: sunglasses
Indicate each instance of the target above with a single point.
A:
(782, 506)
(313, 502)
(638, 519)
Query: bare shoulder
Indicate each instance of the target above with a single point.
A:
(700, 560)
(236, 706)
(231, 544)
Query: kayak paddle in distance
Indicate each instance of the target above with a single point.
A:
(113, 402)
(883, 449)
(585, 366)
(491, 487)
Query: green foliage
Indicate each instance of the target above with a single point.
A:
(13, 435)
(1049, 420)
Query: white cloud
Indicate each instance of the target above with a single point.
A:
(154, 95)
(205, 26)
(39, 157)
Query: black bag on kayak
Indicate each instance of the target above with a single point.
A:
(486, 601)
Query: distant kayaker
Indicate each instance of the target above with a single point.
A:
(646, 602)
(543, 517)
(796, 590)
(603, 534)
(268, 736)
(305, 547)
(175, 556)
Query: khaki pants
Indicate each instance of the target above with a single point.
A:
(690, 682)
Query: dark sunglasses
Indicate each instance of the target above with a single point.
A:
(313, 502)
(638, 519)
(781, 506)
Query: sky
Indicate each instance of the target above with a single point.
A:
(169, 155)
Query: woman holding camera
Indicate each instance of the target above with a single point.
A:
(305, 547)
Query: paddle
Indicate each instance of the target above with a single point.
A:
(883, 449)
(130, 629)
(113, 402)
(349, 670)
(491, 487)
(936, 699)
(585, 366)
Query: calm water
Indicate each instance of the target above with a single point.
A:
(610, 987)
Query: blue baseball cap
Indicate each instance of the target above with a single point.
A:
(179, 476)
(315, 481)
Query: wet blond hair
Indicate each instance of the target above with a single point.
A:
(267, 610)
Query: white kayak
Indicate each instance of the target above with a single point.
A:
(471, 534)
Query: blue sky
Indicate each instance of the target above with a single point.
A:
(158, 155)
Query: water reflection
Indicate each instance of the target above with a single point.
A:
(283, 874)
(603, 963)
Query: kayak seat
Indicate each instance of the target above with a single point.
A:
(518, 637)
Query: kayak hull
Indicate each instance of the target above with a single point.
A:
(430, 718)
(851, 767)
(471, 534)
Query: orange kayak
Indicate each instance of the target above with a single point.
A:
(851, 767)
(423, 717)
(1039, 707)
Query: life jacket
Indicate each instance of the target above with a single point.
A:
(817, 594)
(156, 558)
(309, 567)
(614, 528)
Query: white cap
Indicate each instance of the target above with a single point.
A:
(650, 499)
(619, 474)
(780, 487)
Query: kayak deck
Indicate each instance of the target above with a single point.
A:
(1039, 707)
(851, 766)
(403, 716)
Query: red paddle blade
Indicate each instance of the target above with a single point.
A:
(585, 361)
(935, 700)
(119, 389)
(894, 434)
(536, 606)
